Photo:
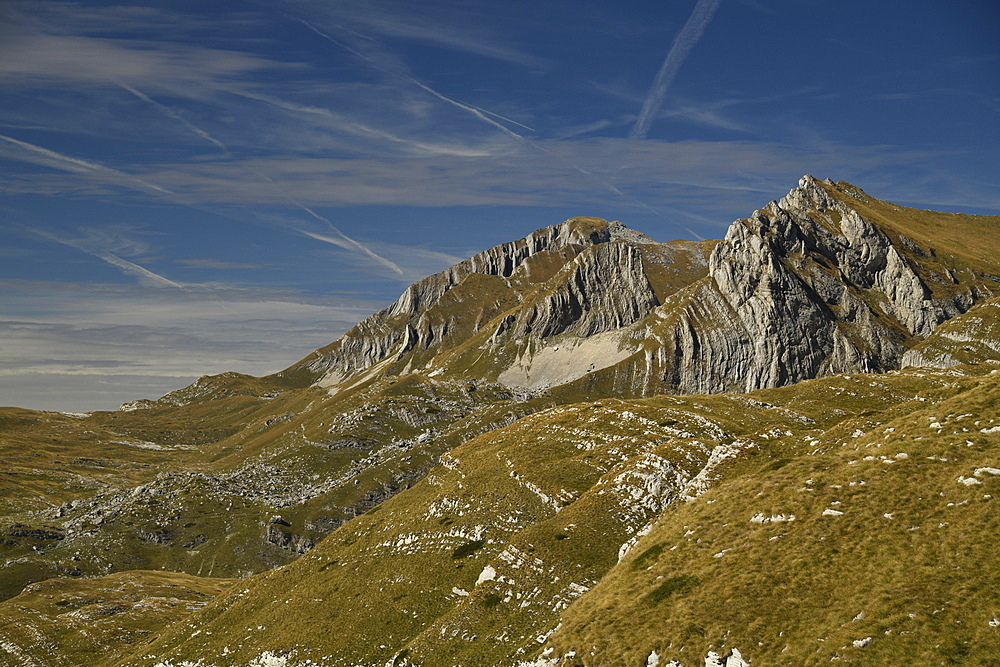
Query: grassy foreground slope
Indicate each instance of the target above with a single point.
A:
(878, 546)
(73, 622)
(519, 533)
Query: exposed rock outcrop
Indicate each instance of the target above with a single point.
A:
(397, 329)
(803, 288)
(970, 338)
(280, 536)
(606, 288)
(817, 283)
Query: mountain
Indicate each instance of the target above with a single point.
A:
(826, 280)
(747, 444)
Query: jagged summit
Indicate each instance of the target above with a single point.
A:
(825, 280)
(489, 283)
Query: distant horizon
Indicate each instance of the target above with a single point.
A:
(193, 190)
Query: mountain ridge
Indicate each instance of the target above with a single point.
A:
(588, 381)
(824, 267)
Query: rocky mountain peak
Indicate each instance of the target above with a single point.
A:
(820, 281)
(806, 286)
(419, 320)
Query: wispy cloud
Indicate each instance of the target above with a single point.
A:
(685, 41)
(344, 241)
(82, 60)
(484, 116)
(145, 275)
(520, 178)
(215, 264)
(343, 123)
(481, 114)
(85, 347)
(87, 245)
(176, 116)
(457, 28)
(37, 154)
(341, 240)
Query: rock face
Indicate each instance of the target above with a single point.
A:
(587, 302)
(804, 287)
(403, 325)
(821, 282)
(970, 338)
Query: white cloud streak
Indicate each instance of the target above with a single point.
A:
(450, 27)
(35, 58)
(475, 111)
(76, 165)
(343, 241)
(176, 116)
(481, 114)
(686, 39)
(145, 276)
(521, 179)
(349, 126)
(346, 242)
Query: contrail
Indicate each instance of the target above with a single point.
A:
(133, 268)
(176, 116)
(686, 39)
(76, 165)
(358, 129)
(481, 113)
(144, 274)
(347, 242)
(509, 120)
(475, 111)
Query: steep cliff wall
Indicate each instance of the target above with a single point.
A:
(805, 287)
(826, 280)
(395, 329)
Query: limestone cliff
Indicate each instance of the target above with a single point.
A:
(606, 288)
(803, 288)
(403, 325)
(826, 280)
(970, 338)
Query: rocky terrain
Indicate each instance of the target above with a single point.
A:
(583, 447)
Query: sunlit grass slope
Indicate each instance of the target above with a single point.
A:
(520, 530)
(74, 622)
(877, 546)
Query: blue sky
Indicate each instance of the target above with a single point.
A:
(191, 187)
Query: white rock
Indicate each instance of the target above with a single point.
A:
(488, 574)
(713, 659)
(735, 659)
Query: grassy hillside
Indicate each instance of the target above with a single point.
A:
(520, 530)
(196, 487)
(875, 547)
(72, 622)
